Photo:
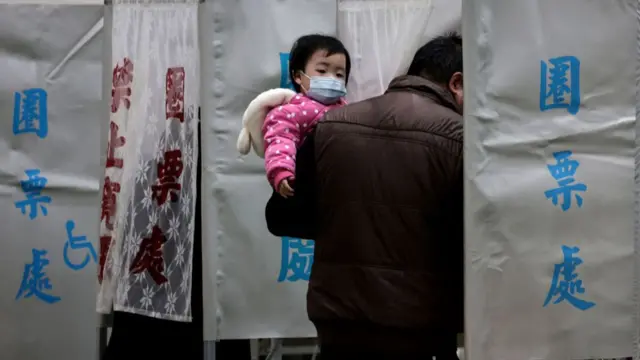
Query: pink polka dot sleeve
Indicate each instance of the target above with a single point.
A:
(282, 135)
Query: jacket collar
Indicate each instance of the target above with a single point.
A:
(428, 88)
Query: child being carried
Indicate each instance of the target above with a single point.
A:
(319, 67)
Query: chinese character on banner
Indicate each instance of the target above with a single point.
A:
(560, 84)
(114, 142)
(35, 281)
(563, 171)
(565, 284)
(175, 94)
(285, 79)
(78, 243)
(30, 113)
(121, 85)
(169, 171)
(150, 257)
(109, 191)
(105, 243)
(297, 259)
(32, 188)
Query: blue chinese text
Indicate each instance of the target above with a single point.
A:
(35, 281)
(30, 112)
(565, 284)
(285, 79)
(32, 188)
(563, 171)
(560, 84)
(297, 259)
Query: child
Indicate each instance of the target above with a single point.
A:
(319, 67)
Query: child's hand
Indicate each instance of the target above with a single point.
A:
(285, 190)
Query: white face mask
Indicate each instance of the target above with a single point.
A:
(325, 89)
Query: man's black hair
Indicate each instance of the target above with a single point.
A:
(438, 59)
(306, 46)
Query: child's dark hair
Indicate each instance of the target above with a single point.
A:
(306, 46)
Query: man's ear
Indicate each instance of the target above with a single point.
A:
(456, 83)
(456, 86)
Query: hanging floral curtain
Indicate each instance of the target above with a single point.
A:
(382, 37)
(148, 198)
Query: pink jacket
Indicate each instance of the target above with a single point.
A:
(284, 129)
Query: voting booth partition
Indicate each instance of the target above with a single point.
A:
(248, 54)
(551, 262)
(258, 281)
(51, 61)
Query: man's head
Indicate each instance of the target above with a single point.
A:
(440, 60)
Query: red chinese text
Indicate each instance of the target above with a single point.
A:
(109, 191)
(150, 257)
(105, 243)
(175, 93)
(121, 85)
(169, 170)
(115, 142)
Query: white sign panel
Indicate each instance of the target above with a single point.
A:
(50, 101)
(246, 45)
(550, 120)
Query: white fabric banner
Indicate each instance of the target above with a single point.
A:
(50, 101)
(382, 37)
(248, 271)
(549, 134)
(148, 204)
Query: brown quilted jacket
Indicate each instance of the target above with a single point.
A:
(379, 188)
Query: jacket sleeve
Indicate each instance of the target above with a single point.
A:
(296, 216)
(281, 137)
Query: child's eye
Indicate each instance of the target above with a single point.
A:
(321, 71)
(340, 76)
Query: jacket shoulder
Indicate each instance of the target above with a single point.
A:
(400, 111)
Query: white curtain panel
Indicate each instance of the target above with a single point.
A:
(243, 44)
(548, 276)
(50, 111)
(382, 37)
(148, 205)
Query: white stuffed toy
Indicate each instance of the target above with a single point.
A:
(253, 118)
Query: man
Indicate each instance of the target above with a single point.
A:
(382, 179)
